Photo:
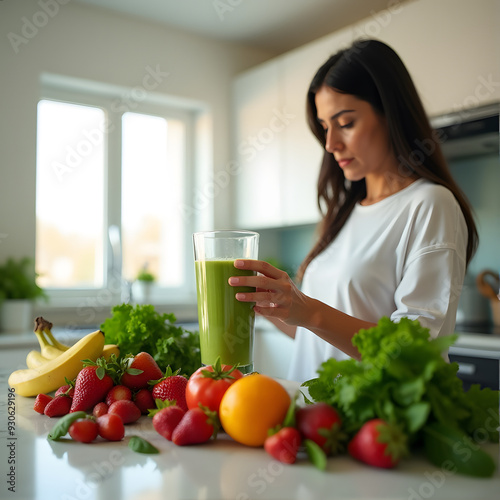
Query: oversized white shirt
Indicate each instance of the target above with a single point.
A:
(403, 256)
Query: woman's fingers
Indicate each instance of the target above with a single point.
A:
(259, 266)
(265, 297)
(252, 281)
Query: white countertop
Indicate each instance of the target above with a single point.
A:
(222, 469)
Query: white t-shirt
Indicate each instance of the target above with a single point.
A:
(401, 257)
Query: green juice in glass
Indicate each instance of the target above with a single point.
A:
(226, 325)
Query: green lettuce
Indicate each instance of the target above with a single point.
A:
(143, 329)
(403, 378)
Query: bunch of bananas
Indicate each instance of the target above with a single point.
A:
(49, 367)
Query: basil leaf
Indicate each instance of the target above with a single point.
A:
(445, 445)
(315, 453)
(63, 424)
(140, 445)
(289, 420)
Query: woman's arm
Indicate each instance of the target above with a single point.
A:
(277, 298)
(282, 326)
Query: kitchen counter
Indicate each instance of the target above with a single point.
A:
(222, 469)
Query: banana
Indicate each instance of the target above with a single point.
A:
(35, 359)
(51, 375)
(110, 349)
(50, 347)
(46, 350)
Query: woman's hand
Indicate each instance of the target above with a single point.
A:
(276, 295)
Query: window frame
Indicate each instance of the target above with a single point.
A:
(110, 99)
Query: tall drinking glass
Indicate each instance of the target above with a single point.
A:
(226, 325)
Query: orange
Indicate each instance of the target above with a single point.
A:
(251, 406)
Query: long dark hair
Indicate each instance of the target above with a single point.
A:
(373, 72)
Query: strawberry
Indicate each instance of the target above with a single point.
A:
(284, 445)
(144, 400)
(140, 371)
(41, 402)
(165, 420)
(91, 386)
(100, 409)
(68, 389)
(58, 407)
(197, 426)
(379, 444)
(126, 410)
(321, 423)
(83, 430)
(172, 387)
(110, 427)
(117, 393)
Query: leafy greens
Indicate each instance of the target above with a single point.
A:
(142, 328)
(403, 378)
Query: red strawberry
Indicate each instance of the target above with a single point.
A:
(92, 385)
(379, 444)
(117, 393)
(110, 427)
(171, 388)
(141, 370)
(166, 420)
(196, 426)
(321, 423)
(83, 430)
(284, 445)
(41, 402)
(58, 406)
(100, 409)
(126, 410)
(68, 389)
(144, 400)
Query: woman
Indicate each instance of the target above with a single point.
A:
(397, 233)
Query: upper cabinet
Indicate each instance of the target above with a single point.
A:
(259, 125)
(454, 65)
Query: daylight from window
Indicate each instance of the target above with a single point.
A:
(74, 200)
(152, 161)
(70, 195)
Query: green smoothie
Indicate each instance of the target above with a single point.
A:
(226, 325)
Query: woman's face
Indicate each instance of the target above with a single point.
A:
(355, 134)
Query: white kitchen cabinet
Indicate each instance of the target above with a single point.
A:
(302, 153)
(278, 156)
(258, 135)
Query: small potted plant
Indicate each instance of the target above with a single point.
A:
(18, 291)
(145, 281)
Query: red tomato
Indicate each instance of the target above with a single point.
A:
(207, 385)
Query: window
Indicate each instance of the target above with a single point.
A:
(70, 195)
(152, 187)
(109, 195)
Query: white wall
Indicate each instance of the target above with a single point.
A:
(91, 43)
